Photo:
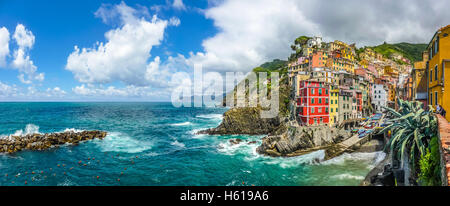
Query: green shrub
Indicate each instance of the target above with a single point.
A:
(430, 174)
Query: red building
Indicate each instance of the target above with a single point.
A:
(313, 103)
(359, 101)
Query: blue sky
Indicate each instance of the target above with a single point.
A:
(129, 50)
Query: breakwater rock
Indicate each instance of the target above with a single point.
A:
(14, 144)
(298, 140)
(245, 121)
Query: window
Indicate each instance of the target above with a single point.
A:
(320, 100)
(431, 98)
(326, 109)
(435, 72)
(312, 90)
(320, 91)
(431, 75)
(435, 98)
(337, 109)
(326, 101)
(320, 110)
(312, 110)
(331, 110)
(326, 91)
(312, 100)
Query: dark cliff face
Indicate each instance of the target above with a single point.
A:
(245, 121)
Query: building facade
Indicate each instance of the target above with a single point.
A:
(438, 67)
(313, 103)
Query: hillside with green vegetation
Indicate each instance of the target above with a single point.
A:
(275, 65)
(413, 52)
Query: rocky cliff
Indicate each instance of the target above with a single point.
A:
(298, 140)
(245, 121)
(44, 141)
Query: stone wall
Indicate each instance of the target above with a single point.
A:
(444, 136)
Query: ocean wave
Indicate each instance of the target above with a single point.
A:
(372, 158)
(182, 124)
(289, 162)
(118, 142)
(195, 135)
(210, 116)
(347, 176)
(249, 150)
(29, 129)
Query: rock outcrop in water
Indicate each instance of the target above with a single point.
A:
(299, 140)
(245, 121)
(14, 144)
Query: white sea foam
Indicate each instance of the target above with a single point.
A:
(118, 142)
(210, 116)
(182, 124)
(372, 158)
(178, 144)
(72, 130)
(29, 129)
(288, 162)
(347, 176)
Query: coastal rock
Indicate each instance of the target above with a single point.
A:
(298, 138)
(235, 141)
(14, 144)
(245, 121)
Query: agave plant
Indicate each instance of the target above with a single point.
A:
(412, 129)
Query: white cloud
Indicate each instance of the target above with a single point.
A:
(4, 45)
(7, 90)
(22, 62)
(178, 4)
(174, 21)
(55, 92)
(124, 56)
(251, 33)
(12, 92)
(24, 38)
(112, 91)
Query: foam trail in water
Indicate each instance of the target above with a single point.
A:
(182, 124)
(118, 142)
(210, 116)
(178, 144)
(347, 176)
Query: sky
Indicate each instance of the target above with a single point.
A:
(93, 50)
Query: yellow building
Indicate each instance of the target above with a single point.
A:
(420, 84)
(438, 68)
(334, 105)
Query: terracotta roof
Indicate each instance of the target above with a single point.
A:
(445, 27)
(444, 134)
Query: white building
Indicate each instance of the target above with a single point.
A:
(379, 97)
(315, 41)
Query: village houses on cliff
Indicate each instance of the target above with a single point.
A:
(334, 82)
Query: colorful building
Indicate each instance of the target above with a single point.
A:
(334, 105)
(420, 80)
(345, 101)
(379, 97)
(438, 67)
(313, 103)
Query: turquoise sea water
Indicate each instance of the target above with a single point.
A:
(155, 144)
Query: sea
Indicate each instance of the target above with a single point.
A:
(155, 144)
